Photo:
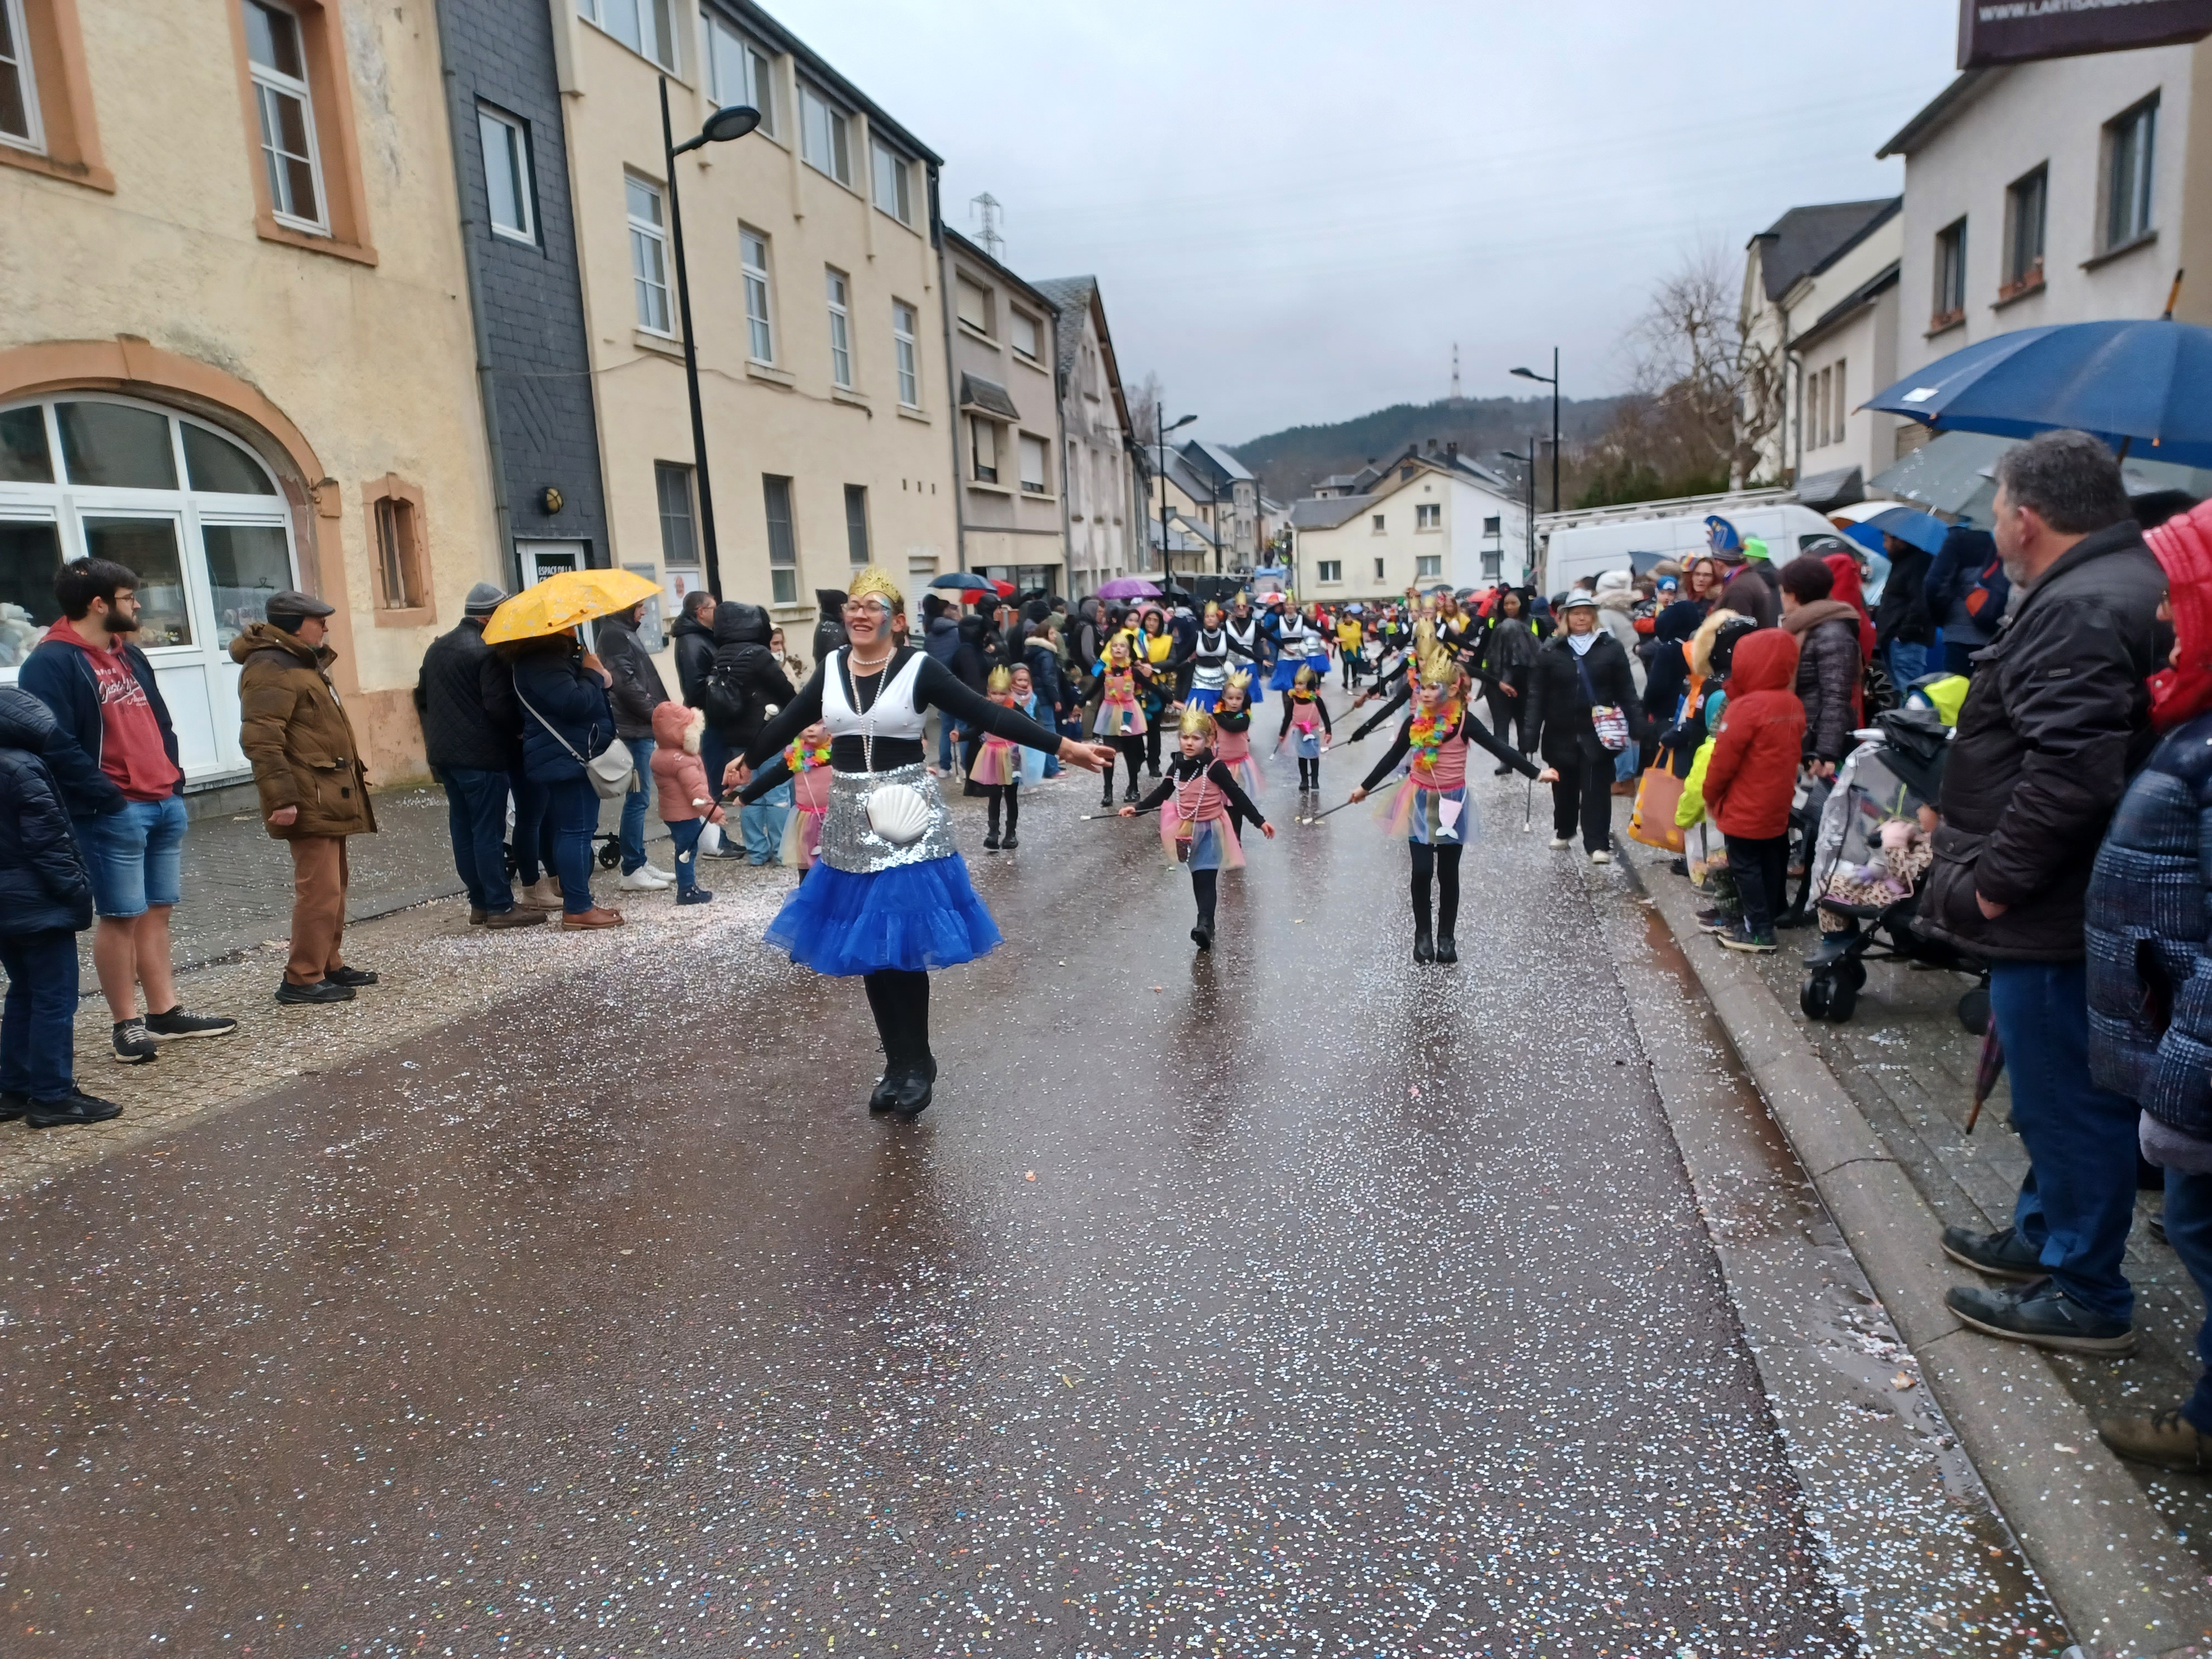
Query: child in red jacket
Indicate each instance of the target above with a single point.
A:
(1752, 776)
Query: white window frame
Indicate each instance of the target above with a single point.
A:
(965, 284)
(1428, 515)
(906, 342)
(837, 133)
(2141, 209)
(271, 83)
(881, 156)
(756, 70)
(837, 289)
(1380, 566)
(979, 428)
(1377, 525)
(760, 316)
(518, 167)
(643, 232)
(1328, 573)
(1428, 564)
(1042, 488)
(659, 13)
(26, 75)
(1014, 334)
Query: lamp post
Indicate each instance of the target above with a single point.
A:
(724, 125)
(1528, 463)
(1160, 414)
(1552, 381)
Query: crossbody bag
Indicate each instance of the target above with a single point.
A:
(612, 771)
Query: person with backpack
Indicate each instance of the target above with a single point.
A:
(1966, 590)
(746, 685)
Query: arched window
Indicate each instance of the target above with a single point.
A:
(192, 510)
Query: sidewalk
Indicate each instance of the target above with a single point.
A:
(1909, 1066)
(238, 878)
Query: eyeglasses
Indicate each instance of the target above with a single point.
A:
(860, 607)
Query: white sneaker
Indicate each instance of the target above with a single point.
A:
(1560, 843)
(665, 878)
(1600, 858)
(641, 880)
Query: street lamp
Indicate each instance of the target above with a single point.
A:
(720, 127)
(1552, 381)
(1528, 464)
(1160, 413)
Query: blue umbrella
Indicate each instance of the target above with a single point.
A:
(1909, 524)
(2144, 385)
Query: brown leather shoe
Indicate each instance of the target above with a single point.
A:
(2167, 1439)
(598, 916)
(475, 916)
(517, 917)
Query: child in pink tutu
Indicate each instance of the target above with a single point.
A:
(1232, 738)
(804, 764)
(994, 770)
(687, 803)
(1200, 805)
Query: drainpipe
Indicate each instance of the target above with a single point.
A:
(952, 390)
(486, 383)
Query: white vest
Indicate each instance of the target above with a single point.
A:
(891, 715)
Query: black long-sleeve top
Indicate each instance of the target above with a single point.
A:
(1184, 768)
(935, 686)
(1399, 699)
(1290, 708)
(1469, 728)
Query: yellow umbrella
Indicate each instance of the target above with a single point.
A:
(563, 599)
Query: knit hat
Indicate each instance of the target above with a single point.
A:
(484, 599)
(2182, 546)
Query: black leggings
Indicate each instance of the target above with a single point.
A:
(1309, 773)
(1444, 862)
(1132, 751)
(1012, 794)
(1505, 718)
(899, 998)
(1204, 884)
(1152, 743)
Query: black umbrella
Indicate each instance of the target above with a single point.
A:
(963, 579)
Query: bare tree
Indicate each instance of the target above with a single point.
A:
(1700, 374)
(1144, 409)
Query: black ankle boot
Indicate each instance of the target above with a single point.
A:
(1425, 949)
(991, 839)
(1447, 951)
(1202, 935)
(915, 1087)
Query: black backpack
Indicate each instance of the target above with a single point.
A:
(727, 702)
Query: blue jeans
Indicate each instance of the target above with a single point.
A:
(632, 817)
(762, 822)
(574, 811)
(532, 847)
(476, 818)
(683, 835)
(2189, 1229)
(2079, 1199)
(38, 1025)
(1907, 663)
(135, 857)
(944, 745)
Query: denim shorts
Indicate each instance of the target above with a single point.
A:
(135, 856)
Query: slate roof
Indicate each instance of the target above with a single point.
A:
(1231, 470)
(1071, 298)
(1860, 297)
(976, 392)
(1934, 115)
(1327, 513)
(1805, 240)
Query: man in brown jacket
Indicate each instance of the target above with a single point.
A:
(314, 788)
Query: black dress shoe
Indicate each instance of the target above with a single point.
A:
(73, 1109)
(1447, 951)
(1130, 794)
(323, 990)
(915, 1088)
(1011, 841)
(991, 841)
(2041, 1315)
(351, 976)
(1425, 948)
(1202, 936)
(2001, 1255)
(886, 1094)
(13, 1105)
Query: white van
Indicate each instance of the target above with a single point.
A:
(1591, 549)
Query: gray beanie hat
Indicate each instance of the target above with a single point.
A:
(485, 598)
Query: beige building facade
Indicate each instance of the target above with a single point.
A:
(820, 337)
(1002, 340)
(236, 351)
(1104, 538)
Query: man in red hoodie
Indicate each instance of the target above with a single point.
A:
(1752, 776)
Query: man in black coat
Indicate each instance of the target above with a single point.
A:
(1903, 629)
(633, 691)
(2056, 721)
(472, 738)
(1576, 671)
(746, 685)
(694, 637)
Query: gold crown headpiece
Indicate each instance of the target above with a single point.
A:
(1307, 679)
(1239, 682)
(1437, 668)
(1195, 722)
(1002, 679)
(1212, 611)
(876, 583)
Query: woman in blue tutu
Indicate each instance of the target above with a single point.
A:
(889, 898)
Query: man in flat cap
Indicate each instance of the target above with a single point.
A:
(472, 738)
(315, 787)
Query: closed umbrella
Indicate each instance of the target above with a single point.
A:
(564, 599)
(2136, 384)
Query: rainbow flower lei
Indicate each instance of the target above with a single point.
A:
(804, 757)
(1427, 734)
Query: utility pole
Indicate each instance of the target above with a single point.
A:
(1454, 397)
(986, 209)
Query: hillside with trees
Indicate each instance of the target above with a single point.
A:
(1291, 462)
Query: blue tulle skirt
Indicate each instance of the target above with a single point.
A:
(913, 916)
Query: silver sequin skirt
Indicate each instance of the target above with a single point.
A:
(849, 844)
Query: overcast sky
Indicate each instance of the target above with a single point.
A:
(1295, 209)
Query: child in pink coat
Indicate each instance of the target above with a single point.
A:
(687, 801)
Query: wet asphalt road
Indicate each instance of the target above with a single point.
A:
(1289, 1300)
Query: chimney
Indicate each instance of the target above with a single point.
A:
(1451, 450)
(1432, 445)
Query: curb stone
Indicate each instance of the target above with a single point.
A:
(2128, 1587)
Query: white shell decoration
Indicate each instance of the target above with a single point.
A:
(897, 813)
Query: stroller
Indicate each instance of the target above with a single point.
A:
(1868, 860)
